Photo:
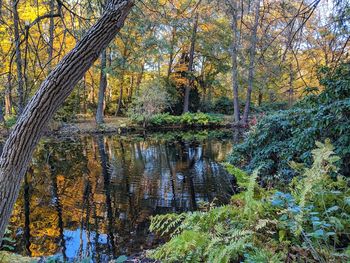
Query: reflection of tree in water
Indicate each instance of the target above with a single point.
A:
(43, 215)
(94, 196)
(26, 196)
(107, 192)
(57, 203)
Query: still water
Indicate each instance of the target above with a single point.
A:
(93, 196)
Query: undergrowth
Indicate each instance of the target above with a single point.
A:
(309, 222)
(187, 119)
(290, 135)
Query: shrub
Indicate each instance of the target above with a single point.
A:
(200, 118)
(10, 121)
(269, 107)
(70, 108)
(187, 119)
(284, 136)
(223, 105)
(152, 100)
(290, 135)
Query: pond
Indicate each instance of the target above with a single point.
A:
(92, 196)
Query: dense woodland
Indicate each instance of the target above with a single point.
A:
(276, 72)
(185, 55)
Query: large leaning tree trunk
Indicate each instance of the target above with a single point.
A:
(53, 91)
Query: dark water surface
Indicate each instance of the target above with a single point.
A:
(92, 196)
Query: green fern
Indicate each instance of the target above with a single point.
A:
(242, 177)
(264, 255)
(167, 224)
(250, 207)
(313, 178)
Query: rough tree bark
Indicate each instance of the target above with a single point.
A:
(190, 65)
(102, 89)
(251, 72)
(54, 90)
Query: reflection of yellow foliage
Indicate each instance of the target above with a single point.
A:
(60, 179)
(44, 249)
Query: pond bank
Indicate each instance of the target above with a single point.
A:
(118, 125)
(8, 257)
(124, 125)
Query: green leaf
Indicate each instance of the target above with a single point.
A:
(121, 259)
(332, 209)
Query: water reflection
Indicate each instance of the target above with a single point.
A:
(93, 196)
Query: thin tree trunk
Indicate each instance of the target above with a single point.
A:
(84, 95)
(25, 66)
(2, 99)
(92, 91)
(51, 35)
(8, 97)
(190, 65)
(202, 83)
(139, 79)
(18, 57)
(131, 90)
(235, 44)
(52, 93)
(171, 54)
(291, 89)
(102, 89)
(108, 92)
(252, 52)
(120, 99)
(260, 97)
